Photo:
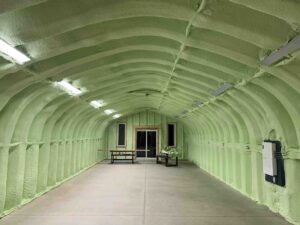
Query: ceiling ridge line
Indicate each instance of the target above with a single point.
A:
(200, 8)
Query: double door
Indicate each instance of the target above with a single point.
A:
(146, 143)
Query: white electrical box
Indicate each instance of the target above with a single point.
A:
(269, 159)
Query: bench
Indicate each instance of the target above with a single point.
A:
(166, 157)
(127, 154)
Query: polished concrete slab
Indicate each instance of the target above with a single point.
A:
(143, 194)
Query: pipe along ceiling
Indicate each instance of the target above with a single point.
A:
(196, 61)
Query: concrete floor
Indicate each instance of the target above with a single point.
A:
(143, 193)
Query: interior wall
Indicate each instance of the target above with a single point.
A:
(225, 139)
(46, 138)
(147, 119)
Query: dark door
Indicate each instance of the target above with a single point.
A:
(146, 144)
(151, 144)
(141, 143)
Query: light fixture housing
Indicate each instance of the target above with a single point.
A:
(109, 111)
(220, 90)
(183, 113)
(97, 103)
(116, 116)
(69, 88)
(282, 52)
(197, 103)
(13, 53)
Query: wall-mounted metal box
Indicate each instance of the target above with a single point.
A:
(273, 162)
(269, 158)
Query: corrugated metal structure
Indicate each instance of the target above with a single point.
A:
(158, 59)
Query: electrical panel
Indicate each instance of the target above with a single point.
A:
(273, 163)
(269, 159)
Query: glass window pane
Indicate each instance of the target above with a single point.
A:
(141, 143)
(121, 134)
(171, 134)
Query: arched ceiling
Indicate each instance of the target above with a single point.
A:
(167, 56)
(164, 55)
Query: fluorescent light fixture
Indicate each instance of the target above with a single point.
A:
(69, 88)
(282, 52)
(97, 103)
(13, 53)
(224, 87)
(185, 112)
(109, 111)
(116, 116)
(197, 103)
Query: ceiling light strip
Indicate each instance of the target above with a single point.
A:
(97, 103)
(72, 90)
(13, 53)
(223, 88)
(69, 88)
(116, 116)
(109, 111)
(282, 52)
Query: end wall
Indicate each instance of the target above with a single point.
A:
(143, 120)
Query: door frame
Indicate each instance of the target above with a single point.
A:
(156, 130)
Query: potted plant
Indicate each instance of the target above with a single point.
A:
(171, 151)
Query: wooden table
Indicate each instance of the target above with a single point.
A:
(116, 153)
